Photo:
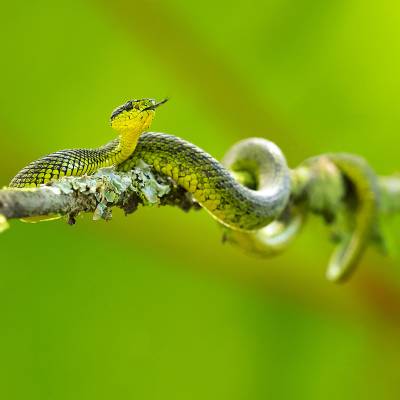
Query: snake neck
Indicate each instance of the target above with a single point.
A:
(118, 150)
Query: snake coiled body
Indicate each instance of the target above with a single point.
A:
(213, 186)
(261, 219)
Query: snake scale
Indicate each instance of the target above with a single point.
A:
(252, 215)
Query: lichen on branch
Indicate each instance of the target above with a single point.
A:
(97, 193)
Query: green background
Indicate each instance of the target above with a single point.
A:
(153, 306)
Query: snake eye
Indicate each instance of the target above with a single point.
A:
(125, 107)
(128, 105)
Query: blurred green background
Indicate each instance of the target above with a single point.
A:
(153, 306)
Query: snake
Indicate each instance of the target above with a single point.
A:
(248, 193)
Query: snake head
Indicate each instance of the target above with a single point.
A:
(134, 115)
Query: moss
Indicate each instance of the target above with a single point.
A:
(110, 188)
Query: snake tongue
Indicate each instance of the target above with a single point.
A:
(153, 107)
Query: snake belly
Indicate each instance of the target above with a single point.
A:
(213, 186)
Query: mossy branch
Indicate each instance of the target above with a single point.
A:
(97, 193)
(318, 187)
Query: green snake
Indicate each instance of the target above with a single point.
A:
(258, 212)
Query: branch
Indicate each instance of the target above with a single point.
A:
(97, 193)
(318, 187)
(320, 184)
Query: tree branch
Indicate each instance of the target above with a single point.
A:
(318, 187)
(98, 193)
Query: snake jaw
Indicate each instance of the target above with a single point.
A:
(134, 117)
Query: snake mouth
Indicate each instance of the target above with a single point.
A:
(154, 106)
(131, 104)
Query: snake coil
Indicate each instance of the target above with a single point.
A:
(255, 209)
